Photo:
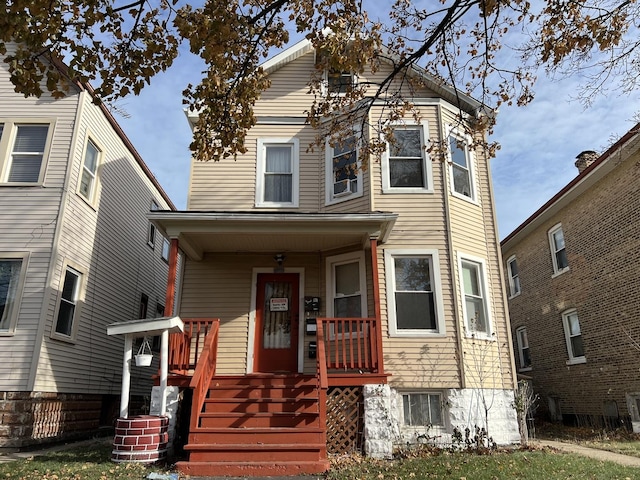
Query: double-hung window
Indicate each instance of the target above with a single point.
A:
(460, 157)
(422, 409)
(277, 175)
(514, 276)
(346, 283)
(89, 170)
(475, 304)
(12, 275)
(406, 165)
(523, 348)
(413, 296)
(573, 336)
(23, 150)
(68, 303)
(558, 250)
(343, 172)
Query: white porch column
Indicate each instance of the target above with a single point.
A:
(126, 376)
(164, 371)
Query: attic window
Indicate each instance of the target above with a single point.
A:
(340, 82)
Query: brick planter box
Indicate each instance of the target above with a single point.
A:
(141, 439)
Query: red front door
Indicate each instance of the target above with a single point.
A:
(277, 318)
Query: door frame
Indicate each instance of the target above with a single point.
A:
(252, 315)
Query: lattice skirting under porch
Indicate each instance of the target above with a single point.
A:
(345, 412)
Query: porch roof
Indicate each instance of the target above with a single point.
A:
(265, 232)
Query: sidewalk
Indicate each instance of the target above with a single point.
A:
(10, 456)
(590, 452)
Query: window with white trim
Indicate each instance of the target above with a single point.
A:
(344, 178)
(12, 275)
(406, 164)
(461, 165)
(523, 348)
(422, 409)
(277, 173)
(23, 150)
(151, 232)
(165, 249)
(89, 170)
(558, 250)
(68, 303)
(340, 82)
(475, 306)
(346, 286)
(573, 337)
(514, 276)
(414, 303)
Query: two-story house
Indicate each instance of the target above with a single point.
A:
(347, 307)
(76, 254)
(573, 298)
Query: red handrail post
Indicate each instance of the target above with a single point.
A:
(376, 306)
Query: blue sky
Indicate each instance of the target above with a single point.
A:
(539, 142)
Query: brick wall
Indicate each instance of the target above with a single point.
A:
(602, 236)
(34, 418)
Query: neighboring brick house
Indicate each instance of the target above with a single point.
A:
(76, 254)
(574, 296)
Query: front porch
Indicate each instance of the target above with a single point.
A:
(265, 424)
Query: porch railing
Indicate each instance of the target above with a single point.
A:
(205, 370)
(186, 348)
(351, 344)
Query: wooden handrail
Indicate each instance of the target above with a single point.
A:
(205, 370)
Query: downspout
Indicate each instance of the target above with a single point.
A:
(452, 261)
(37, 350)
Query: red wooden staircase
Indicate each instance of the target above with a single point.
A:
(258, 425)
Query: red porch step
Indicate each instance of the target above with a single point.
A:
(258, 425)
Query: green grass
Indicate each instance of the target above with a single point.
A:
(91, 462)
(520, 465)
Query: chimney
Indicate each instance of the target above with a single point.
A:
(584, 159)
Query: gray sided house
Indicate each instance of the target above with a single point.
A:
(76, 254)
(574, 297)
(345, 308)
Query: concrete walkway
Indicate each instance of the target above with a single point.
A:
(590, 452)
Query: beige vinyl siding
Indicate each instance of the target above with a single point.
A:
(288, 94)
(28, 219)
(473, 233)
(107, 242)
(219, 286)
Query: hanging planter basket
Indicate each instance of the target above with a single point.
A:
(144, 355)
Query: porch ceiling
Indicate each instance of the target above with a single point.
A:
(265, 232)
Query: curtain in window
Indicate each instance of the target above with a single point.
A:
(9, 275)
(276, 325)
(347, 300)
(278, 177)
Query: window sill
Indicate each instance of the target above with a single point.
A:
(88, 202)
(344, 198)
(525, 369)
(417, 334)
(560, 272)
(63, 338)
(408, 190)
(576, 361)
(514, 295)
(7, 333)
(471, 200)
(480, 336)
(276, 205)
(21, 184)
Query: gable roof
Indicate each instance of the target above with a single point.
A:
(453, 96)
(625, 146)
